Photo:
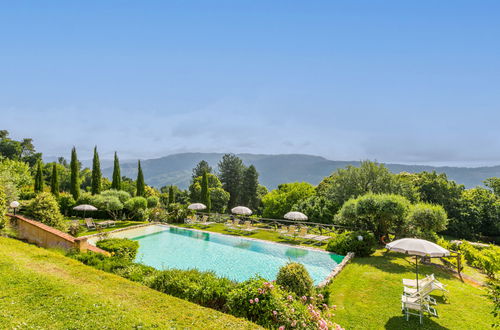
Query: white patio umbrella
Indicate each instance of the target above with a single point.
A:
(299, 216)
(241, 210)
(197, 206)
(85, 208)
(417, 247)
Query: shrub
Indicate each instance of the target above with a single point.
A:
(123, 196)
(349, 242)
(136, 206)
(427, 220)
(3, 207)
(138, 273)
(158, 214)
(45, 209)
(485, 259)
(66, 202)
(272, 307)
(177, 212)
(203, 288)
(294, 277)
(120, 247)
(102, 262)
(153, 201)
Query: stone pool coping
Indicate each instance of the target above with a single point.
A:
(335, 271)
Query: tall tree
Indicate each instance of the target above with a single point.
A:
(54, 181)
(249, 188)
(231, 172)
(140, 181)
(205, 193)
(39, 177)
(171, 195)
(201, 167)
(117, 179)
(75, 175)
(96, 174)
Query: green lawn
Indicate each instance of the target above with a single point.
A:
(43, 289)
(367, 293)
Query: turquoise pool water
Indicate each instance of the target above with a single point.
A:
(233, 257)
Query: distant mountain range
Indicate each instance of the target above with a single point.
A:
(275, 169)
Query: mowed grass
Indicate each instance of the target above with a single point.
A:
(46, 290)
(368, 291)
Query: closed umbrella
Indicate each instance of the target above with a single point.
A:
(241, 210)
(299, 216)
(84, 208)
(197, 206)
(417, 247)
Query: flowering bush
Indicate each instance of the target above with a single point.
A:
(268, 305)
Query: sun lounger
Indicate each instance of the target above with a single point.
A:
(235, 225)
(410, 305)
(248, 227)
(422, 292)
(436, 285)
(90, 223)
(108, 223)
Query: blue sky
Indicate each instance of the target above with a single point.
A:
(396, 81)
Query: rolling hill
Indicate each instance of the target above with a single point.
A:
(275, 169)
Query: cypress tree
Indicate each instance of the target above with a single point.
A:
(54, 181)
(96, 174)
(249, 187)
(117, 179)
(205, 192)
(140, 180)
(75, 175)
(38, 177)
(171, 195)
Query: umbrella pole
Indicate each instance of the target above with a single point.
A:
(416, 267)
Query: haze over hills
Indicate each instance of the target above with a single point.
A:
(275, 169)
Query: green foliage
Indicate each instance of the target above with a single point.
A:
(196, 185)
(171, 195)
(54, 181)
(218, 199)
(136, 206)
(119, 247)
(14, 176)
(109, 203)
(45, 209)
(96, 174)
(494, 295)
(3, 207)
(201, 168)
(349, 241)
(66, 203)
(280, 201)
(249, 188)
(38, 187)
(117, 179)
(205, 194)
(295, 278)
(158, 214)
(317, 208)
(153, 201)
(379, 213)
(18, 150)
(203, 288)
(177, 212)
(75, 175)
(485, 259)
(427, 220)
(140, 180)
(231, 173)
(123, 196)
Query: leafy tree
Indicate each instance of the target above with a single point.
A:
(218, 199)
(249, 195)
(201, 167)
(3, 207)
(427, 220)
(75, 175)
(109, 203)
(493, 184)
(171, 195)
(39, 177)
(231, 173)
(140, 180)
(153, 201)
(45, 209)
(117, 179)
(280, 201)
(317, 209)
(122, 196)
(136, 205)
(379, 213)
(205, 194)
(54, 181)
(14, 176)
(195, 187)
(66, 203)
(96, 174)
(351, 182)
(18, 150)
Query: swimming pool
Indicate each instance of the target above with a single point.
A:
(233, 257)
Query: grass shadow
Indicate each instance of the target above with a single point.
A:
(400, 322)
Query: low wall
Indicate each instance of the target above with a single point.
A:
(48, 237)
(337, 269)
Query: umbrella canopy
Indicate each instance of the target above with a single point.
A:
(197, 206)
(417, 247)
(85, 207)
(295, 216)
(242, 210)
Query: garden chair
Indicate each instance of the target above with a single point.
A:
(436, 285)
(423, 292)
(283, 230)
(90, 223)
(291, 231)
(229, 223)
(235, 225)
(410, 305)
(248, 226)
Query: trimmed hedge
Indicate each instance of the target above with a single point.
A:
(120, 247)
(295, 278)
(349, 242)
